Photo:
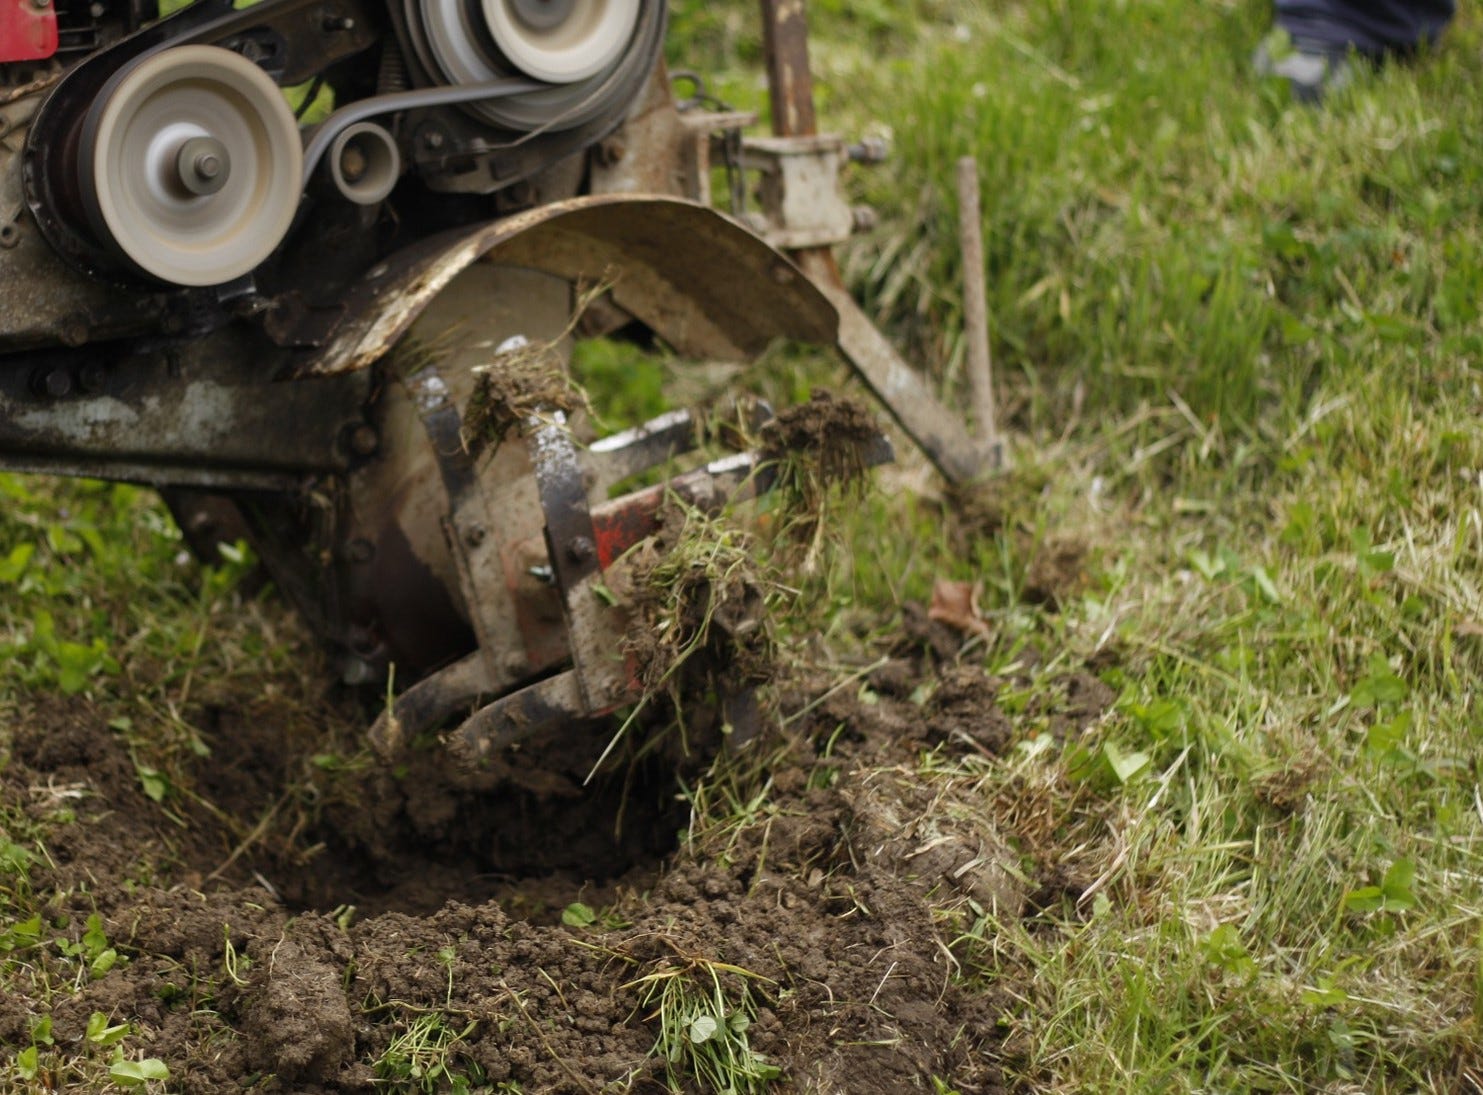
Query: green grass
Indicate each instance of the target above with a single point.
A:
(1238, 344)
(1238, 347)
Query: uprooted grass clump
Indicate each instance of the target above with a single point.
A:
(525, 379)
(698, 598)
(703, 1010)
(818, 451)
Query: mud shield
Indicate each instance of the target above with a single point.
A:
(700, 281)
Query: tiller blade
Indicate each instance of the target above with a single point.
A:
(534, 533)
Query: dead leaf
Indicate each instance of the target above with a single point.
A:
(956, 604)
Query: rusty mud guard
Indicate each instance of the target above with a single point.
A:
(703, 283)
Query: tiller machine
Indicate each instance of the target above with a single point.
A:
(275, 310)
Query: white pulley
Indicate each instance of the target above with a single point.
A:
(458, 42)
(561, 41)
(190, 165)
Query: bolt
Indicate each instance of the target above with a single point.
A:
(870, 151)
(335, 21)
(364, 440)
(783, 275)
(92, 377)
(474, 535)
(53, 383)
(581, 549)
(434, 139)
(41, 5)
(611, 152)
(73, 331)
(203, 165)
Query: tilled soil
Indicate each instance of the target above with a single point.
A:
(284, 932)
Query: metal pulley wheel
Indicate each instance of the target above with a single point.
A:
(574, 45)
(561, 41)
(190, 165)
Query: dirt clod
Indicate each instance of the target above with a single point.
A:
(298, 1023)
(965, 711)
(817, 450)
(697, 603)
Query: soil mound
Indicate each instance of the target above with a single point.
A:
(290, 916)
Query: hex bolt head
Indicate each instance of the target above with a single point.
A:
(92, 377)
(581, 549)
(364, 440)
(203, 166)
(52, 383)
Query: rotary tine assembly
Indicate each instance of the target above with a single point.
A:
(567, 543)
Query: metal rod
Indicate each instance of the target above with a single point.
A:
(975, 302)
(790, 82)
(790, 89)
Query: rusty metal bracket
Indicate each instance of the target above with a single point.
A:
(199, 414)
(571, 542)
(478, 541)
(802, 203)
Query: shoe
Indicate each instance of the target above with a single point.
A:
(1311, 69)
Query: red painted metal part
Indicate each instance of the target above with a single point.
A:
(28, 30)
(622, 523)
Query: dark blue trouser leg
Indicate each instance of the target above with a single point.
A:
(1370, 26)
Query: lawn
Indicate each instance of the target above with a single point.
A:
(1237, 342)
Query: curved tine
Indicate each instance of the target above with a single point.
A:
(429, 702)
(515, 717)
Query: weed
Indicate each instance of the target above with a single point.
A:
(425, 1058)
(704, 1010)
